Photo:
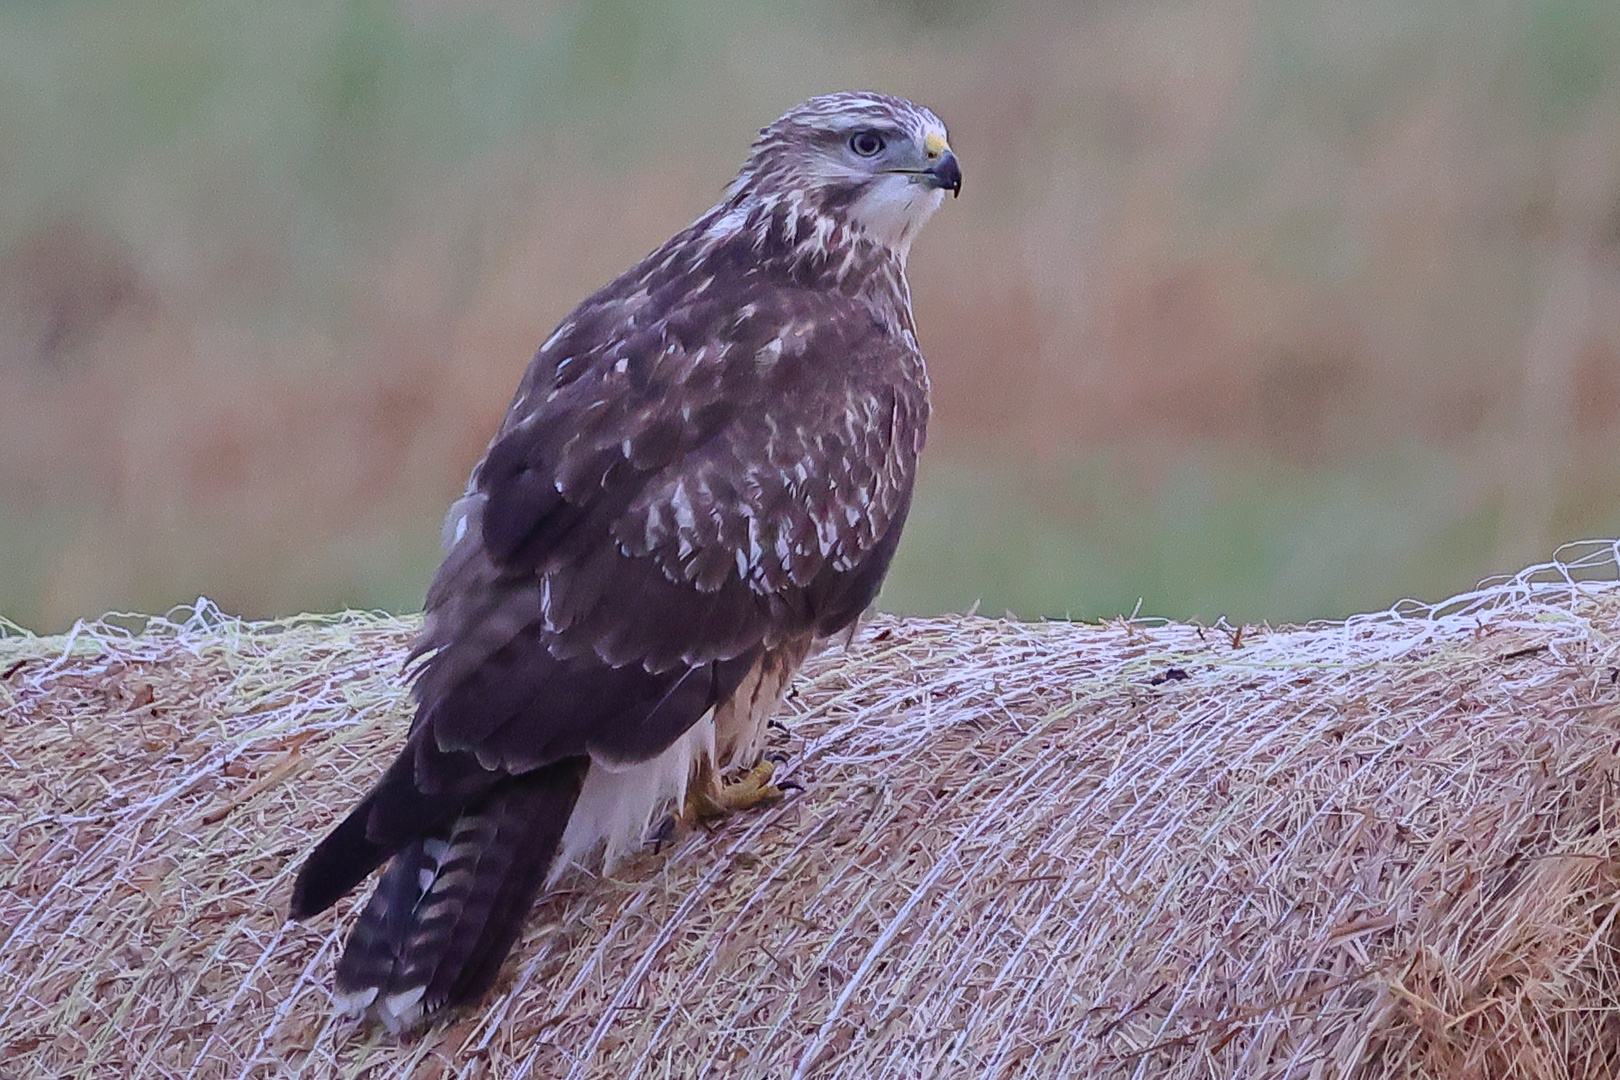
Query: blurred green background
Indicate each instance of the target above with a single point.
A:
(1276, 310)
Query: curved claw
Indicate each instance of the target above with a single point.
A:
(753, 788)
(665, 833)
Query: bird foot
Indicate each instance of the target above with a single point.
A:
(755, 788)
(708, 800)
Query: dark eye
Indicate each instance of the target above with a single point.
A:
(866, 143)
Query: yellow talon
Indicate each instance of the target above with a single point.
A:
(708, 799)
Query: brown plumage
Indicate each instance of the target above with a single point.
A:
(705, 467)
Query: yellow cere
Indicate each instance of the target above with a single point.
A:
(935, 144)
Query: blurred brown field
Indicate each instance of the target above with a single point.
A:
(1276, 311)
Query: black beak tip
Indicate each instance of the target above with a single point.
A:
(948, 174)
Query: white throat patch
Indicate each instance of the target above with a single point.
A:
(892, 211)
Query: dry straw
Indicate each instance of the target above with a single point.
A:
(1382, 847)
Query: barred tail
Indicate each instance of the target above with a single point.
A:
(449, 907)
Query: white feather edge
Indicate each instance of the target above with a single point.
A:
(619, 802)
(617, 805)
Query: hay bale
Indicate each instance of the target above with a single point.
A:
(1383, 847)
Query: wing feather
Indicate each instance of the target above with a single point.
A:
(659, 499)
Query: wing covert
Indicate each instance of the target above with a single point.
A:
(668, 499)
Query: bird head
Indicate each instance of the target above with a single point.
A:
(876, 164)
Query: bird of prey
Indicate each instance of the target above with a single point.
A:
(704, 469)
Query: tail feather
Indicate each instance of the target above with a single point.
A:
(338, 864)
(385, 821)
(452, 903)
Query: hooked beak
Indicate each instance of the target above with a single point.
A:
(945, 173)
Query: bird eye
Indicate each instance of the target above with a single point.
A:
(866, 143)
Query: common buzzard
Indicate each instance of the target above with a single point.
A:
(705, 468)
